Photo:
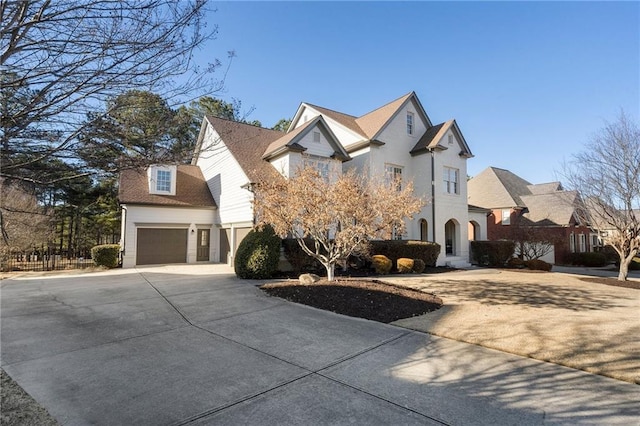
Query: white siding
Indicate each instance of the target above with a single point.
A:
(225, 179)
(135, 217)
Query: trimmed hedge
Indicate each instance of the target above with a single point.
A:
(404, 265)
(258, 254)
(492, 253)
(590, 259)
(395, 249)
(381, 263)
(418, 266)
(107, 255)
(538, 265)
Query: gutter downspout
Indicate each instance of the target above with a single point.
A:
(433, 194)
(123, 232)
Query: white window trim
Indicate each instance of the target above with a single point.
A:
(572, 242)
(411, 123)
(315, 132)
(447, 183)
(153, 179)
(322, 164)
(507, 213)
(391, 172)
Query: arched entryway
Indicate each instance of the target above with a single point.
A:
(474, 230)
(450, 237)
(424, 230)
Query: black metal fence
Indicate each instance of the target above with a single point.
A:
(44, 259)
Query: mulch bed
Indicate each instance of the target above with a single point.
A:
(19, 408)
(359, 273)
(613, 282)
(370, 299)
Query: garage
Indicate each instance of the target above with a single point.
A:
(157, 246)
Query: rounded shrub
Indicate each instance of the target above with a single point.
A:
(411, 249)
(107, 255)
(516, 263)
(418, 266)
(404, 265)
(381, 263)
(258, 254)
(538, 265)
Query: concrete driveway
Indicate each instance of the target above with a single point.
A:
(556, 317)
(193, 344)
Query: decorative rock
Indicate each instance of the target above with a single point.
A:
(306, 279)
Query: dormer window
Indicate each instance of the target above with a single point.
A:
(316, 137)
(450, 139)
(162, 179)
(409, 123)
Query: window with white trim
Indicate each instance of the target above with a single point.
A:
(450, 178)
(163, 181)
(450, 139)
(506, 216)
(572, 242)
(583, 243)
(319, 163)
(316, 137)
(393, 175)
(410, 123)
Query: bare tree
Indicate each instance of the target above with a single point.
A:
(339, 214)
(64, 59)
(533, 241)
(23, 223)
(607, 174)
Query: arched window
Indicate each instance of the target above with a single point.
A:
(474, 230)
(450, 237)
(424, 230)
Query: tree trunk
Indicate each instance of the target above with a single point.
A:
(330, 271)
(624, 269)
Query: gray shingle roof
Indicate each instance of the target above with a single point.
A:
(546, 204)
(497, 188)
(555, 208)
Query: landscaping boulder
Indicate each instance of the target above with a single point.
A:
(307, 279)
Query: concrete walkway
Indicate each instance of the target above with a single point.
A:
(194, 345)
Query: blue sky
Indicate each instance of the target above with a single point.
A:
(528, 82)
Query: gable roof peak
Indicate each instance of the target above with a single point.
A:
(374, 122)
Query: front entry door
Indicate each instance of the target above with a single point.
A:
(203, 245)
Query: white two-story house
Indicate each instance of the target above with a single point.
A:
(397, 139)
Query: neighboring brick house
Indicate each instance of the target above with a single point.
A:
(515, 202)
(397, 138)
